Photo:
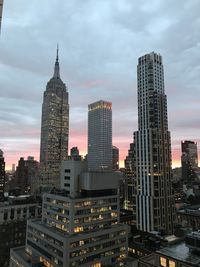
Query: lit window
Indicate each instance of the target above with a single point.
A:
(172, 263)
(78, 229)
(163, 262)
(96, 265)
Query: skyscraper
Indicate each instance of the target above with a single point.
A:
(154, 208)
(1, 10)
(100, 136)
(54, 128)
(189, 160)
(2, 175)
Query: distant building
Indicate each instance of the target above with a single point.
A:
(13, 168)
(115, 158)
(75, 153)
(54, 129)
(26, 175)
(189, 161)
(33, 172)
(14, 213)
(21, 176)
(80, 223)
(100, 136)
(153, 187)
(2, 176)
(1, 11)
(129, 178)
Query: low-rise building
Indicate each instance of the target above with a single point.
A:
(189, 217)
(180, 254)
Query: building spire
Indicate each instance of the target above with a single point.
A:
(57, 67)
(57, 52)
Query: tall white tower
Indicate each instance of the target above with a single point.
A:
(154, 208)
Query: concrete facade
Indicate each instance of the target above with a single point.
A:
(80, 224)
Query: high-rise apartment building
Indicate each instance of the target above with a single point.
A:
(80, 223)
(154, 208)
(2, 175)
(189, 160)
(1, 11)
(54, 129)
(100, 136)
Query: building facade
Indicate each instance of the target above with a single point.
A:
(54, 129)
(100, 136)
(80, 226)
(154, 207)
(2, 176)
(189, 161)
(14, 213)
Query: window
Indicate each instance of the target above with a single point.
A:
(163, 262)
(172, 263)
(67, 170)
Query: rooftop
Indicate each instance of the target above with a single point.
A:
(21, 253)
(190, 210)
(182, 253)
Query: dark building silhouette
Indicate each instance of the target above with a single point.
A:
(153, 189)
(54, 129)
(129, 178)
(26, 175)
(189, 161)
(2, 176)
(21, 176)
(32, 169)
(74, 152)
(115, 157)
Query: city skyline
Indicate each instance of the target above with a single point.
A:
(101, 65)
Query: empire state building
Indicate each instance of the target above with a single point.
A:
(54, 129)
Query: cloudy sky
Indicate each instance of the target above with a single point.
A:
(100, 42)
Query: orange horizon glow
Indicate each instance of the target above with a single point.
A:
(176, 156)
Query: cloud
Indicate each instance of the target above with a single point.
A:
(100, 42)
